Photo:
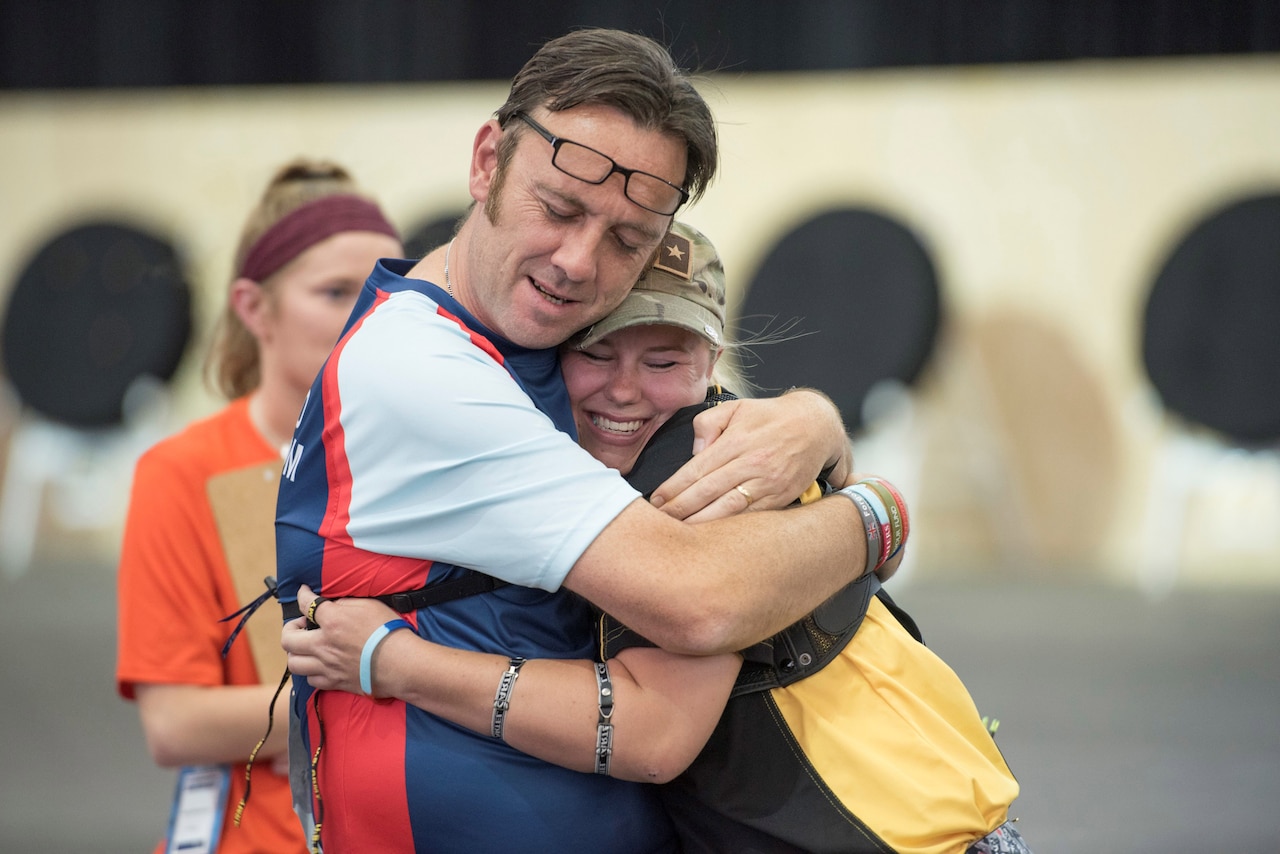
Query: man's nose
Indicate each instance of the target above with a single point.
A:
(578, 253)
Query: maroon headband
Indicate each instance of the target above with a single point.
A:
(306, 226)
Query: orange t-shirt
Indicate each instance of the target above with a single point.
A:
(174, 586)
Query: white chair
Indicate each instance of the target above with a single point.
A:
(81, 476)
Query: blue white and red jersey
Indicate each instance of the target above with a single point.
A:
(428, 443)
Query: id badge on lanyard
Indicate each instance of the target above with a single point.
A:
(199, 803)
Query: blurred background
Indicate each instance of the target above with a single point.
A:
(1032, 249)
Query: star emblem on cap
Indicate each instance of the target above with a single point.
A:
(676, 256)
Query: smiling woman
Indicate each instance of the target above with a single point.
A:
(721, 731)
(626, 386)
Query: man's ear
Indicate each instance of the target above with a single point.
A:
(484, 159)
(249, 302)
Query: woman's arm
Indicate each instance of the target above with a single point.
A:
(196, 725)
(665, 705)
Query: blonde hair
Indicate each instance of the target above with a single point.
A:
(232, 365)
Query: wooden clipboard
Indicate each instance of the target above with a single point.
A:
(244, 510)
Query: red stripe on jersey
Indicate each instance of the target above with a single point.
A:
(352, 571)
(337, 514)
(479, 340)
(364, 803)
(348, 570)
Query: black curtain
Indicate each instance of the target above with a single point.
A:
(143, 43)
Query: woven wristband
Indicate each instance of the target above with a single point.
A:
(604, 727)
(502, 699)
(371, 646)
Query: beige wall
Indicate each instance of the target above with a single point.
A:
(1048, 196)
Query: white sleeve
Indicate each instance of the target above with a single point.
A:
(450, 460)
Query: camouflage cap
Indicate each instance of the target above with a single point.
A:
(684, 287)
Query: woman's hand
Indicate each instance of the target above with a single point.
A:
(329, 656)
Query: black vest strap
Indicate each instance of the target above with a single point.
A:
(805, 647)
(424, 597)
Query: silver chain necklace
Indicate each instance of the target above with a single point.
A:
(447, 287)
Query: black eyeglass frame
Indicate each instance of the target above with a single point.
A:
(558, 141)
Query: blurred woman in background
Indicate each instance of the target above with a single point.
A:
(199, 536)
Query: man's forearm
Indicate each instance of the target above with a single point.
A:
(720, 586)
(776, 577)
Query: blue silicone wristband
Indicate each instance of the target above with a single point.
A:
(371, 646)
(876, 502)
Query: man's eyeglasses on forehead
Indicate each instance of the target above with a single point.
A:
(586, 164)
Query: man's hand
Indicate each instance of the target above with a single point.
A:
(757, 453)
(329, 656)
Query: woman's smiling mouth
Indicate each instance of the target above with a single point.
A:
(620, 427)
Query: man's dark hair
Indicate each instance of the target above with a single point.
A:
(629, 72)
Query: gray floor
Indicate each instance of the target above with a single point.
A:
(1134, 727)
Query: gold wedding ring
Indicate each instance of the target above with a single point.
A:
(745, 494)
